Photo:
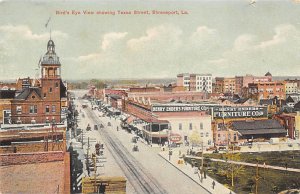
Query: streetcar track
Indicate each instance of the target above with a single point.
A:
(136, 174)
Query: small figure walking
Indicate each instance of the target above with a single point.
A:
(117, 128)
(213, 184)
(286, 165)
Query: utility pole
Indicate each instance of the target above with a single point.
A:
(202, 161)
(95, 173)
(81, 138)
(256, 179)
(87, 157)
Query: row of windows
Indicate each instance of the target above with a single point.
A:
(190, 126)
(203, 78)
(202, 83)
(201, 87)
(33, 109)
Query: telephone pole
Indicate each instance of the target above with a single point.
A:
(202, 161)
(256, 179)
(95, 173)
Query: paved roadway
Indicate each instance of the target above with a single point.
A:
(145, 171)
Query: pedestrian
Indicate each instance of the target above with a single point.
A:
(213, 184)
(286, 165)
(117, 128)
(204, 171)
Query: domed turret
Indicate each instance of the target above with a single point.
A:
(50, 62)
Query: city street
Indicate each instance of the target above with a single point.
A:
(145, 170)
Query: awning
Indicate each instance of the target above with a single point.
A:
(130, 119)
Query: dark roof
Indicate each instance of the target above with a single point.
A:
(274, 101)
(6, 94)
(115, 97)
(242, 100)
(268, 74)
(297, 105)
(266, 102)
(289, 99)
(256, 124)
(262, 131)
(27, 91)
(269, 126)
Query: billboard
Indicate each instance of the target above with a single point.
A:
(218, 111)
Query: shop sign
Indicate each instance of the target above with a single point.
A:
(175, 137)
(179, 108)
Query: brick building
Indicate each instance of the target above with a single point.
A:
(35, 161)
(267, 90)
(41, 104)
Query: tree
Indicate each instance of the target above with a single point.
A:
(231, 170)
(195, 138)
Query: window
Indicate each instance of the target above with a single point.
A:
(50, 90)
(19, 109)
(33, 97)
(45, 95)
(201, 134)
(56, 85)
(180, 126)
(201, 125)
(47, 109)
(33, 109)
(53, 108)
(206, 134)
(191, 126)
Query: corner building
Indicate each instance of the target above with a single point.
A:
(41, 104)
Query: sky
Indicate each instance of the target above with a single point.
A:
(224, 38)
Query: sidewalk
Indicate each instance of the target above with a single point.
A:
(189, 171)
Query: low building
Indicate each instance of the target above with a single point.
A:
(5, 105)
(34, 161)
(288, 121)
(258, 130)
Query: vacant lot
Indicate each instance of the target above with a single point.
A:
(270, 181)
(291, 158)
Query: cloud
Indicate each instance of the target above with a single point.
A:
(20, 48)
(162, 51)
(110, 38)
(165, 36)
(280, 50)
(24, 32)
(282, 34)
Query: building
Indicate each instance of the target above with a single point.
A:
(163, 121)
(294, 96)
(258, 130)
(41, 104)
(291, 87)
(195, 82)
(297, 126)
(288, 121)
(5, 105)
(267, 90)
(186, 120)
(238, 84)
(35, 161)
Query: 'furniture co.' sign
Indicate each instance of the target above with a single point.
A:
(217, 110)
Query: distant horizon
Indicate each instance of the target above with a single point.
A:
(145, 79)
